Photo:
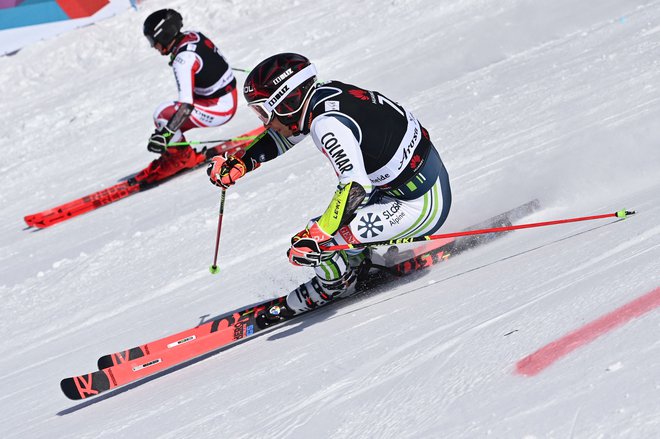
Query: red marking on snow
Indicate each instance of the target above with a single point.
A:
(544, 357)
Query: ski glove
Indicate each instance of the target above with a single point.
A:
(305, 249)
(224, 170)
(159, 140)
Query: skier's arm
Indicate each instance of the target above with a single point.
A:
(185, 65)
(338, 143)
(225, 170)
(267, 146)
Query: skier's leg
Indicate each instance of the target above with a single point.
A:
(214, 112)
(403, 212)
(206, 113)
(418, 208)
(164, 112)
(334, 277)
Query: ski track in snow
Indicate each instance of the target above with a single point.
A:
(551, 100)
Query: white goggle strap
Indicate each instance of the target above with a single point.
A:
(285, 89)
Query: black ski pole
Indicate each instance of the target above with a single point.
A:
(214, 268)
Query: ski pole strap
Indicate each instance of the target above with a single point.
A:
(619, 214)
(201, 142)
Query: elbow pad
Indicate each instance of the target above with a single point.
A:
(180, 117)
(342, 208)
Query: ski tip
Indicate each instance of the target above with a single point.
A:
(623, 213)
(84, 386)
(69, 389)
(104, 362)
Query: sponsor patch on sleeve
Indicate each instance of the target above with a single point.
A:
(331, 105)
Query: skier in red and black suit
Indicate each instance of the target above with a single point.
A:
(207, 93)
(392, 182)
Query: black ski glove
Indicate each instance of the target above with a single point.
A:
(159, 140)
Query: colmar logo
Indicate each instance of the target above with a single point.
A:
(336, 153)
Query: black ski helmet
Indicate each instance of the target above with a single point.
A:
(163, 27)
(278, 86)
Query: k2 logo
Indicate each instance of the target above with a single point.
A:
(370, 226)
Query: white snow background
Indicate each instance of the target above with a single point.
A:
(558, 100)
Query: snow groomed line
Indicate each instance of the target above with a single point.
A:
(541, 359)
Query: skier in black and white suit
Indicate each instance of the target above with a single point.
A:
(392, 182)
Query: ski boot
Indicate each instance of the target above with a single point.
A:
(312, 294)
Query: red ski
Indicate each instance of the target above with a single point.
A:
(127, 366)
(167, 352)
(124, 189)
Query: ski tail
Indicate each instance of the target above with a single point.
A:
(433, 252)
(82, 205)
(84, 386)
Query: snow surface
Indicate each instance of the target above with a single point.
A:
(558, 100)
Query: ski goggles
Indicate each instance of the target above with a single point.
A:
(266, 109)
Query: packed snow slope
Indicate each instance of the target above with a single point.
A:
(558, 100)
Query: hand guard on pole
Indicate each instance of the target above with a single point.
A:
(305, 247)
(224, 170)
(159, 140)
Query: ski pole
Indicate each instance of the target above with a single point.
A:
(214, 268)
(619, 214)
(240, 70)
(201, 142)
